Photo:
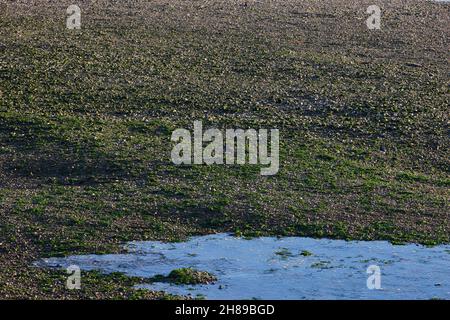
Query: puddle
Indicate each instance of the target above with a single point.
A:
(282, 268)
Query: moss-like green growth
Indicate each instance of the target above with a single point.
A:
(86, 119)
(191, 276)
(284, 253)
(305, 253)
(186, 276)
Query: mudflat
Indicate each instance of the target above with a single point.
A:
(86, 118)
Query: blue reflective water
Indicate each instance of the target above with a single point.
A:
(275, 268)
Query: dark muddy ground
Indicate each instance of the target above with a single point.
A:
(86, 117)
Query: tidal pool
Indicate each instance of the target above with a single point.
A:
(282, 268)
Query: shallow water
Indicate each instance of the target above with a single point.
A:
(273, 268)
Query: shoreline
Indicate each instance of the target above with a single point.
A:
(86, 119)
